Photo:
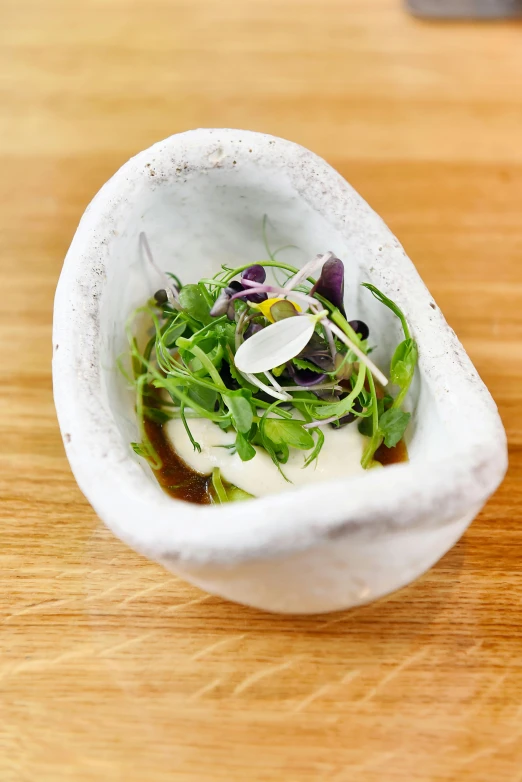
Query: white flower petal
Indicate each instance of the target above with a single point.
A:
(308, 270)
(275, 344)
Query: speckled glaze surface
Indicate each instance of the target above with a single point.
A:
(200, 196)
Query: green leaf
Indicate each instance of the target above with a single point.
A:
(208, 344)
(366, 423)
(289, 433)
(366, 426)
(236, 494)
(226, 334)
(243, 382)
(245, 450)
(204, 397)
(277, 453)
(302, 363)
(206, 295)
(171, 334)
(194, 304)
(384, 404)
(282, 453)
(211, 331)
(403, 363)
(175, 387)
(392, 425)
(238, 402)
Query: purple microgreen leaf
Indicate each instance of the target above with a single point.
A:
(255, 273)
(304, 377)
(330, 284)
(308, 270)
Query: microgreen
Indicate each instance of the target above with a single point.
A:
(392, 425)
(390, 304)
(290, 432)
(194, 303)
(302, 363)
(225, 348)
(389, 422)
(240, 405)
(244, 448)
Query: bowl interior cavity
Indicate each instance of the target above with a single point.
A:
(197, 219)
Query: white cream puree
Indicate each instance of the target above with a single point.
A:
(340, 457)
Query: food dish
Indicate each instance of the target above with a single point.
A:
(257, 384)
(198, 196)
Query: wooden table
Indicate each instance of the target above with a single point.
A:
(111, 669)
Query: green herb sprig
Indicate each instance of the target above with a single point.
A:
(389, 422)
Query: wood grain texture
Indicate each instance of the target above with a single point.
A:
(112, 669)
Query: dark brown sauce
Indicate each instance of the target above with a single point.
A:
(395, 455)
(176, 477)
(183, 483)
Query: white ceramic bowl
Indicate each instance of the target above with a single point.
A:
(200, 196)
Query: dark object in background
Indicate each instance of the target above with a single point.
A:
(466, 9)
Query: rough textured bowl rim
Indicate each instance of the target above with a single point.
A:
(421, 493)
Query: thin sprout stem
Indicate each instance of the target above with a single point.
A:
(326, 421)
(383, 380)
(217, 483)
(207, 327)
(352, 396)
(195, 445)
(271, 379)
(216, 283)
(153, 457)
(254, 287)
(279, 410)
(283, 397)
(401, 396)
(376, 438)
(318, 387)
(278, 264)
(308, 269)
(172, 296)
(252, 378)
(169, 383)
(329, 338)
(209, 366)
(375, 410)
